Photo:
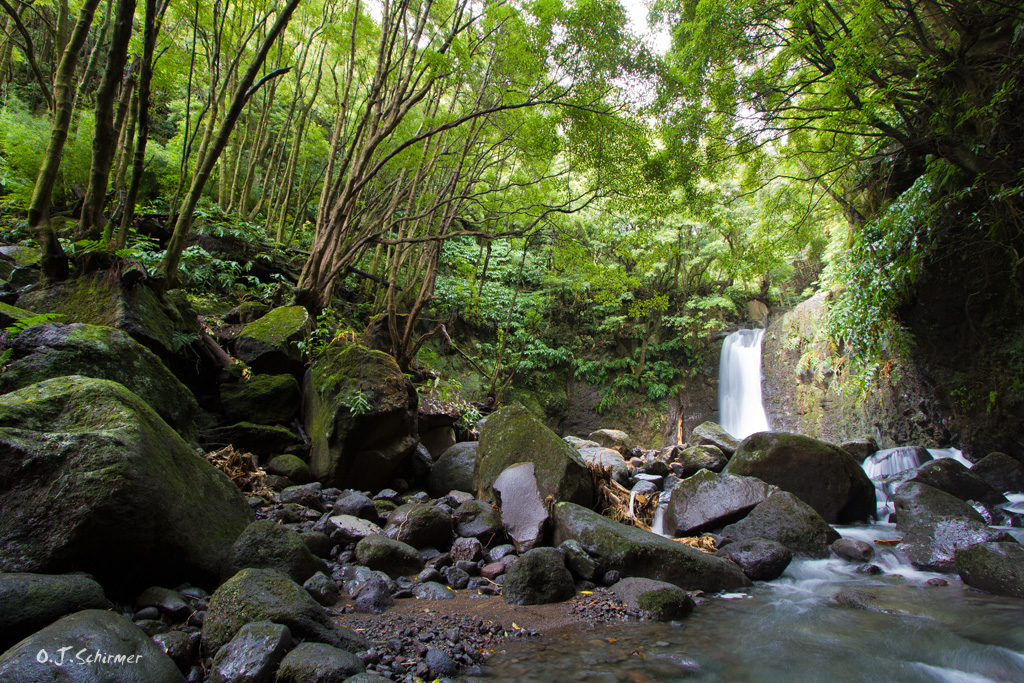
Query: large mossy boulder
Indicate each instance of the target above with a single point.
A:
(28, 602)
(392, 557)
(270, 345)
(713, 434)
(539, 577)
(100, 299)
(663, 601)
(454, 470)
(635, 552)
(993, 567)
(92, 479)
(360, 414)
(92, 646)
(269, 595)
(511, 435)
(56, 350)
(265, 544)
(786, 519)
(263, 399)
(707, 501)
(420, 525)
(824, 476)
(946, 474)
(1001, 472)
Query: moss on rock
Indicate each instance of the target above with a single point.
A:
(270, 344)
(263, 399)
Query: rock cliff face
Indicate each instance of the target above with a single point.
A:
(806, 392)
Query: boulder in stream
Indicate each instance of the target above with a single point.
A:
(453, 471)
(270, 345)
(788, 520)
(707, 501)
(706, 457)
(268, 545)
(946, 474)
(996, 567)
(761, 559)
(663, 601)
(1001, 472)
(420, 525)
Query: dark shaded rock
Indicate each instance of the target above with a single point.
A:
(291, 467)
(28, 602)
(267, 545)
(663, 601)
(523, 514)
(166, 601)
(707, 501)
(788, 520)
(440, 663)
(615, 439)
(262, 440)
(1001, 472)
(712, 434)
(46, 351)
(389, 556)
(420, 525)
(356, 504)
(433, 591)
(478, 519)
(853, 550)
(136, 658)
(270, 345)
(252, 655)
(181, 647)
(607, 459)
(467, 549)
(993, 567)
(820, 474)
(946, 474)
(323, 589)
(373, 597)
(306, 495)
(706, 457)
(360, 414)
(634, 552)
(453, 471)
(133, 503)
(761, 559)
(512, 436)
(318, 663)
(263, 399)
(577, 560)
(269, 595)
(456, 577)
(860, 449)
(539, 577)
(319, 543)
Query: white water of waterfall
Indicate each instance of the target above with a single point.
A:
(741, 412)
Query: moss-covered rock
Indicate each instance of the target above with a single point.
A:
(292, 467)
(788, 520)
(320, 663)
(259, 439)
(634, 552)
(539, 577)
(606, 459)
(28, 602)
(707, 501)
(269, 595)
(697, 458)
(267, 545)
(1001, 472)
(993, 567)
(57, 350)
(454, 469)
(946, 474)
(10, 315)
(713, 434)
(663, 601)
(133, 656)
(263, 399)
(360, 414)
(270, 345)
(420, 525)
(511, 435)
(615, 439)
(822, 475)
(392, 557)
(92, 479)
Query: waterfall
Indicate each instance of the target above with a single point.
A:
(741, 412)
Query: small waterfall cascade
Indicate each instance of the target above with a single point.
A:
(741, 412)
(884, 465)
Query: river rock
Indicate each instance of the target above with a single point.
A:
(252, 655)
(270, 345)
(46, 351)
(181, 647)
(706, 457)
(420, 525)
(432, 590)
(263, 399)
(820, 474)
(480, 520)
(707, 501)
(348, 528)
(539, 577)
(577, 560)
(511, 435)
(356, 504)
(860, 449)
(453, 471)
(373, 597)
(167, 601)
(270, 595)
(946, 474)
(523, 514)
(788, 520)
(607, 459)
(388, 555)
(1001, 472)
(318, 663)
(712, 434)
(323, 589)
(996, 567)
(760, 558)
(92, 479)
(615, 439)
(28, 602)
(127, 654)
(290, 467)
(360, 414)
(664, 601)
(265, 544)
(634, 552)
(853, 550)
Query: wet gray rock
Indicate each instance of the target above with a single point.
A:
(478, 519)
(663, 601)
(860, 449)
(323, 589)
(137, 658)
(761, 559)
(440, 663)
(373, 597)
(539, 577)
(433, 591)
(181, 647)
(420, 525)
(453, 471)
(706, 457)
(707, 501)
(388, 555)
(28, 602)
(946, 474)
(318, 663)
(319, 543)
(252, 655)
(607, 458)
(356, 504)
(1000, 471)
(265, 544)
(712, 434)
(523, 514)
(167, 601)
(456, 577)
(788, 520)
(577, 560)
(306, 495)
(615, 439)
(346, 528)
(853, 550)
(993, 567)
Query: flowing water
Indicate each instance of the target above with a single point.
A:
(741, 412)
